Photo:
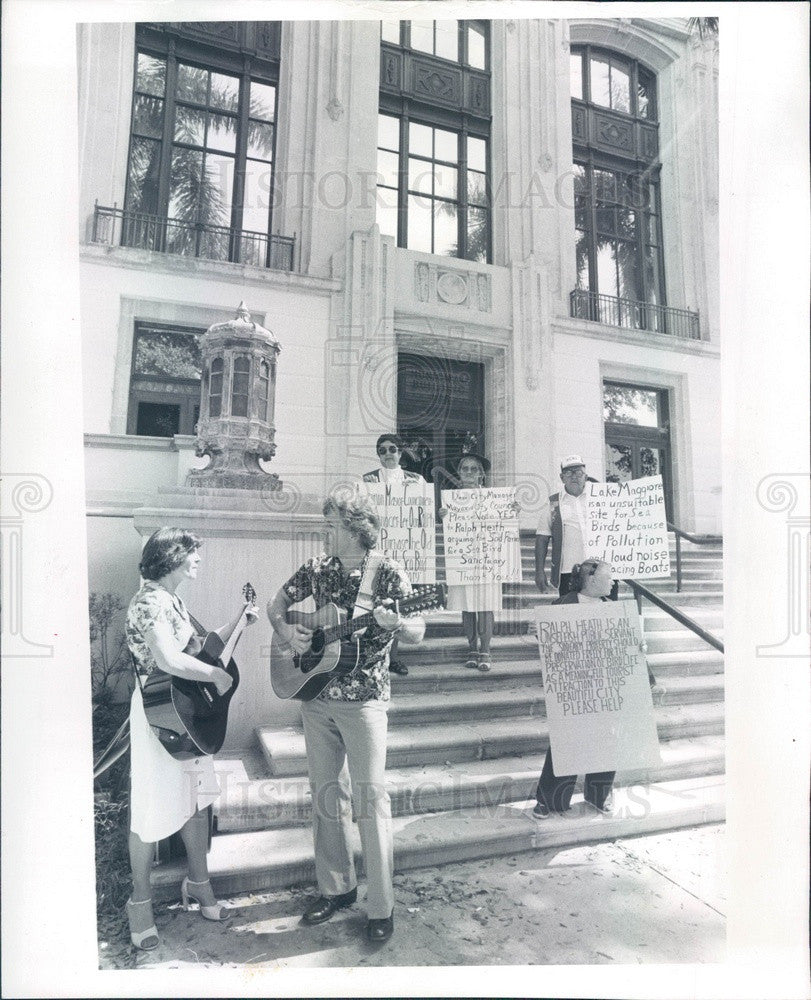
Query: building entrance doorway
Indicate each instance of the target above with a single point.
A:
(440, 414)
(637, 435)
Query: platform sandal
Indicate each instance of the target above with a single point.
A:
(187, 893)
(145, 940)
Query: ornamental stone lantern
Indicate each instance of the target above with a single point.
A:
(237, 401)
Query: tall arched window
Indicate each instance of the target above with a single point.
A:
(620, 267)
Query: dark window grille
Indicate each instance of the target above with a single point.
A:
(118, 227)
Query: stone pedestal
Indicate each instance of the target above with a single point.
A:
(260, 538)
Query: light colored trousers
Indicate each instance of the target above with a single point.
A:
(346, 755)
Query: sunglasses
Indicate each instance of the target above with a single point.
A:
(388, 449)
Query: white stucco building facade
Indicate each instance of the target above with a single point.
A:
(520, 342)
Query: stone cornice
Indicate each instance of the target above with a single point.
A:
(240, 274)
(130, 442)
(639, 338)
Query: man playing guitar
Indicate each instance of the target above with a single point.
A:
(345, 726)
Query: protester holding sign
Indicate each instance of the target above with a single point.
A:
(389, 449)
(591, 582)
(627, 527)
(564, 520)
(477, 601)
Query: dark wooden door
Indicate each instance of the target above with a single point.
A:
(637, 435)
(440, 414)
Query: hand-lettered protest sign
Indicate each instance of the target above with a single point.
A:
(627, 527)
(480, 531)
(407, 525)
(598, 700)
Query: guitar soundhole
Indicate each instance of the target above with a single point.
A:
(317, 642)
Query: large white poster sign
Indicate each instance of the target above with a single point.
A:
(626, 526)
(407, 526)
(598, 700)
(480, 532)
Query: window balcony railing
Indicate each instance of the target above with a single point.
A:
(120, 227)
(632, 315)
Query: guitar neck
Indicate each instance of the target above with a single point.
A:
(351, 625)
(236, 632)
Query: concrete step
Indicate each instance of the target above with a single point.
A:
(688, 585)
(452, 742)
(274, 859)
(273, 803)
(679, 641)
(489, 699)
(523, 605)
(684, 598)
(451, 649)
(657, 620)
(433, 675)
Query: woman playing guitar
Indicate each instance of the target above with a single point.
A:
(167, 794)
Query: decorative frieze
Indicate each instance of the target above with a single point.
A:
(610, 132)
(614, 133)
(431, 80)
(436, 84)
(452, 286)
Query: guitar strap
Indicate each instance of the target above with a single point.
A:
(364, 602)
(198, 628)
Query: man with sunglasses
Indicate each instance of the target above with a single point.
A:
(389, 449)
(563, 519)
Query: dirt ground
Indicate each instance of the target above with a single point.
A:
(655, 899)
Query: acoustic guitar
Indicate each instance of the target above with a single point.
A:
(189, 717)
(334, 647)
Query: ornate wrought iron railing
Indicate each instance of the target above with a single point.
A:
(628, 313)
(121, 227)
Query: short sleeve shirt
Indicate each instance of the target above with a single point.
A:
(325, 580)
(153, 604)
(574, 517)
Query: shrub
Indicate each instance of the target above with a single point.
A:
(109, 662)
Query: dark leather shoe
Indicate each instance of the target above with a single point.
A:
(398, 667)
(324, 907)
(378, 931)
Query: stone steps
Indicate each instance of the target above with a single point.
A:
(273, 803)
(268, 859)
(485, 701)
(477, 739)
(446, 644)
(430, 675)
(465, 749)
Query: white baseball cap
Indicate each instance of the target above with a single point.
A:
(570, 461)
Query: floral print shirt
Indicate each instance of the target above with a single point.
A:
(153, 603)
(325, 579)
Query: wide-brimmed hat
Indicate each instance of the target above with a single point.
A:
(484, 462)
